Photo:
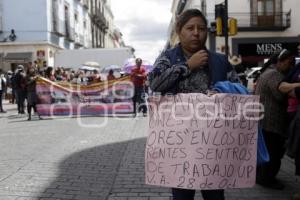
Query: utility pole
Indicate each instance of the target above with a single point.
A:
(226, 27)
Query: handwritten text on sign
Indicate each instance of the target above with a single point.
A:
(200, 142)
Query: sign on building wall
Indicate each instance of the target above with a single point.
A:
(266, 49)
(41, 56)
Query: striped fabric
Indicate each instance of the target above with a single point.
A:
(112, 97)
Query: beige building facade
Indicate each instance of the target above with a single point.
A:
(264, 27)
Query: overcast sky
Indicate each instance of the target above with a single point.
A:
(144, 24)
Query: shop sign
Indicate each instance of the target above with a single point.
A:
(40, 54)
(266, 49)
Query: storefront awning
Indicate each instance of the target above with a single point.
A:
(253, 59)
(18, 56)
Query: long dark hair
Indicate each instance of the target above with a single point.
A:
(278, 57)
(272, 60)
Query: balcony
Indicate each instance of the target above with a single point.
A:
(70, 33)
(85, 4)
(100, 20)
(79, 39)
(58, 27)
(255, 21)
(54, 38)
(1, 24)
(55, 25)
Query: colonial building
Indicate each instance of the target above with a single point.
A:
(104, 33)
(264, 26)
(33, 30)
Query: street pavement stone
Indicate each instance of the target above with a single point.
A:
(70, 158)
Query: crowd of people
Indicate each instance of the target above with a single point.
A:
(20, 86)
(82, 77)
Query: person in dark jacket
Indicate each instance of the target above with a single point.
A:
(3, 83)
(31, 91)
(190, 68)
(20, 87)
(291, 86)
(275, 121)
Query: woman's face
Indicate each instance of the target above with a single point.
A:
(193, 35)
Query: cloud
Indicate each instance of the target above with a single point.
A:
(155, 31)
(144, 24)
(149, 50)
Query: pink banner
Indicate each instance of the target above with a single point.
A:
(200, 142)
(66, 99)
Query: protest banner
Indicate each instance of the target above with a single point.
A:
(201, 142)
(63, 98)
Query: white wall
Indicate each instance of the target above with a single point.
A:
(233, 5)
(109, 43)
(103, 56)
(28, 19)
(32, 19)
(295, 16)
(79, 27)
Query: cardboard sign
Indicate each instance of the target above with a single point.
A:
(200, 142)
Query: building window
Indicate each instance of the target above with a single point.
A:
(203, 6)
(67, 21)
(180, 6)
(76, 18)
(95, 6)
(84, 25)
(265, 7)
(99, 8)
(264, 12)
(55, 16)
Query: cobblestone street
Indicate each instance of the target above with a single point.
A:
(58, 159)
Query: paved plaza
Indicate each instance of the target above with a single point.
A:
(69, 158)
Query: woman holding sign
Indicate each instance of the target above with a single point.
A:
(190, 68)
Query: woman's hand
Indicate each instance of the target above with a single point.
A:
(198, 60)
(211, 92)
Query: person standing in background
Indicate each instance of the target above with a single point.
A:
(275, 121)
(20, 84)
(291, 86)
(2, 89)
(110, 75)
(138, 77)
(31, 91)
(236, 62)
